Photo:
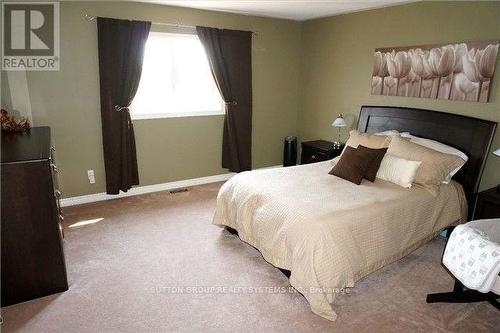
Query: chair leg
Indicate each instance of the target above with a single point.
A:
(468, 296)
(459, 295)
(495, 303)
(458, 287)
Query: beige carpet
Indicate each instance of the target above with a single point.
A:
(124, 267)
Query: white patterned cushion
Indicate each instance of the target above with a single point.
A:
(472, 258)
(398, 170)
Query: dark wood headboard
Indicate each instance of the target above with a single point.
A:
(470, 135)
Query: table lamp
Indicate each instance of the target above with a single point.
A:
(497, 153)
(339, 122)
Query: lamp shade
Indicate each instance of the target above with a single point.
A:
(339, 122)
(497, 152)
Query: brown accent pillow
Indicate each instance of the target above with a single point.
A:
(375, 156)
(435, 165)
(351, 166)
(357, 138)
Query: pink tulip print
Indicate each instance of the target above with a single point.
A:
(459, 72)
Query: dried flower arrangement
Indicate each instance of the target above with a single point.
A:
(9, 124)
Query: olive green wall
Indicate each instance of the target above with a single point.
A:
(304, 74)
(168, 149)
(337, 60)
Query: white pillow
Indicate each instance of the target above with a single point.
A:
(448, 178)
(391, 133)
(388, 133)
(440, 147)
(398, 170)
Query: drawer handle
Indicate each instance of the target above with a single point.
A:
(54, 167)
(61, 229)
(313, 157)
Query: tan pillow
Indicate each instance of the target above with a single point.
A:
(357, 138)
(435, 165)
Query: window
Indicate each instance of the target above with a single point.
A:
(176, 80)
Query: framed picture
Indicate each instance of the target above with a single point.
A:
(459, 72)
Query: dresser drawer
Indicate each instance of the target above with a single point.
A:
(54, 171)
(310, 155)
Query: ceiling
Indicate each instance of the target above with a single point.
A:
(299, 10)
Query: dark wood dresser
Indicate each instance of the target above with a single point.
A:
(32, 255)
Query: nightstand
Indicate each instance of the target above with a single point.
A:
(318, 150)
(487, 205)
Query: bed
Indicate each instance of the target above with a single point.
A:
(329, 233)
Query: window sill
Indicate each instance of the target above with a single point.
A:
(175, 115)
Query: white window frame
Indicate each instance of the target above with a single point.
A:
(178, 114)
(164, 115)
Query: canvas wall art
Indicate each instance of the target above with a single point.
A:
(459, 72)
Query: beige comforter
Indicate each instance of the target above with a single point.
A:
(327, 231)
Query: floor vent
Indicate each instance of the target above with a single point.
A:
(178, 190)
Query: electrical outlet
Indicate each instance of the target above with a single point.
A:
(91, 176)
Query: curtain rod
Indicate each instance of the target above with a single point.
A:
(91, 18)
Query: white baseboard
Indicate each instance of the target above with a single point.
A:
(83, 199)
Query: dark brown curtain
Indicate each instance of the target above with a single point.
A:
(121, 51)
(229, 53)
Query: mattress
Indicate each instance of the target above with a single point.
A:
(329, 232)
